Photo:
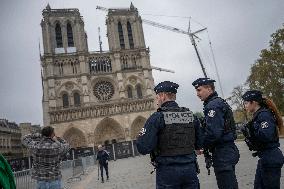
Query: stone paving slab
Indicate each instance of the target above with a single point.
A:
(134, 173)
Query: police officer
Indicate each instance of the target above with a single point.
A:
(171, 135)
(103, 158)
(219, 133)
(263, 138)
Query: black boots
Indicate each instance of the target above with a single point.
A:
(102, 180)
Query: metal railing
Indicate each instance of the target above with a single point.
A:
(23, 180)
(71, 170)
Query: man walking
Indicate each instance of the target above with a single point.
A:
(171, 135)
(219, 133)
(103, 158)
(46, 149)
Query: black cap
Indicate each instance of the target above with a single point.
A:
(252, 95)
(202, 81)
(166, 86)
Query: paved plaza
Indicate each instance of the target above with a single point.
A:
(134, 173)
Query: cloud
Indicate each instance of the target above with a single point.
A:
(238, 31)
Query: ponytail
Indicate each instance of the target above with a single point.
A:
(272, 107)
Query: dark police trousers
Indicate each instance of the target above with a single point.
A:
(177, 176)
(226, 177)
(268, 171)
(225, 157)
(105, 166)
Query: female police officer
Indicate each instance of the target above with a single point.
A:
(264, 129)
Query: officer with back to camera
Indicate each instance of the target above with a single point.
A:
(171, 135)
(219, 133)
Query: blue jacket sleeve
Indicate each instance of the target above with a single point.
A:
(265, 127)
(198, 134)
(147, 139)
(214, 119)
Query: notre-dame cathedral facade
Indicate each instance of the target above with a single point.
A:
(93, 98)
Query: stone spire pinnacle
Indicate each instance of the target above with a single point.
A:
(132, 6)
(48, 6)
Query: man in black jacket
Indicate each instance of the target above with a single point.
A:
(103, 158)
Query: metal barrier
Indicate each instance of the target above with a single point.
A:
(23, 180)
(88, 161)
(66, 164)
(71, 170)
(78, 168)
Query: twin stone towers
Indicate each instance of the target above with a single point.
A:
(93, 98)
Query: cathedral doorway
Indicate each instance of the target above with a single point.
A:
(75, 137)
(136, 126)
(108, 131)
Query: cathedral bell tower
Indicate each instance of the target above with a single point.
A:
(63, 31)
(124, 29)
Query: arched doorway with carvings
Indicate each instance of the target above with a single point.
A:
(75, 137)
(136, 126)
(108, 131)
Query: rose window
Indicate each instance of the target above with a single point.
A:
(103, 90)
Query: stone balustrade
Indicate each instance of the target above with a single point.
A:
(92, 111)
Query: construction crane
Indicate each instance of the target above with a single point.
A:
(162, 69)
(152, 67)
(192, 37)
(177, 30)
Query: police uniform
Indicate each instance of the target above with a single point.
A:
(171, 135)
(263, 138)
(219, 135)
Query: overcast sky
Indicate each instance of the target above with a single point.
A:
(238, 31)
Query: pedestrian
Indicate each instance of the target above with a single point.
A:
(46, 149)
(263, 130)
(171, 135)
(103, 157)
(219, 133)
(7, 180)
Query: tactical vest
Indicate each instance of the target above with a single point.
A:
(229, 121)
(178, 135)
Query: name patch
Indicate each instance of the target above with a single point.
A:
(178, 117)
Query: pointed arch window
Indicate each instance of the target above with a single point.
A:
(124, 60)
(130, 36)
(77, 100)
(70, 35)
(129, 92)
(58, 36)
(139, 91)
(74, 68)
(65, 100)
(60, 66)
(120, 35)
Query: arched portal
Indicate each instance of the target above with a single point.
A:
(136, 126)
(75, 137)
(108, 131)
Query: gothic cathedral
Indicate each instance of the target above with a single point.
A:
(93, 98)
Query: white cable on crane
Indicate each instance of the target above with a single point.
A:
(215, 65)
